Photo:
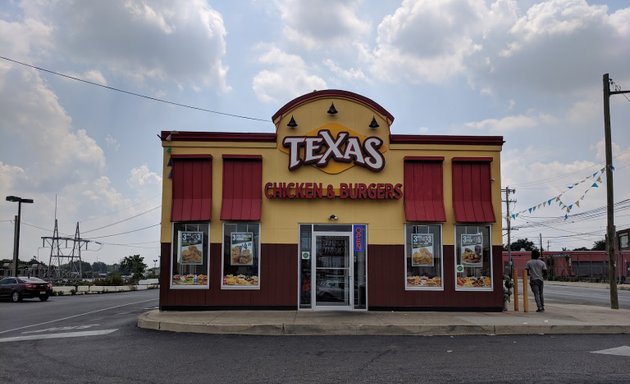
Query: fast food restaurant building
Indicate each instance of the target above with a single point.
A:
(331, 212)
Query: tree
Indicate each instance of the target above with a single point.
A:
(99, 267)
(133, 265)
(599, 245)
(523, 244)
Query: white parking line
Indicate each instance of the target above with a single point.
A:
(619, 351)
(73, 316)
(58, 335)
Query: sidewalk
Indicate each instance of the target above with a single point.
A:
(557, 319)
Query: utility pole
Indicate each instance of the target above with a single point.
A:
(610, 202)
(508, 220)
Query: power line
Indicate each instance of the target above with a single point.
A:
(124, 208)
(126, 232)
(123, 220)
(618, 88)
(133, 93)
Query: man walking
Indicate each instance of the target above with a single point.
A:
(537, 270)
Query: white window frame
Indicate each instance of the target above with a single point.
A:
(441, 246)
(456, 244)
(240, 287)
(171, 256)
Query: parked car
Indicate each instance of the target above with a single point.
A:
(18, 288)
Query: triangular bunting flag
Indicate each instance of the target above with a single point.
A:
(594, 185)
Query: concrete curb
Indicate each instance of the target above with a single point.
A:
(151, 320)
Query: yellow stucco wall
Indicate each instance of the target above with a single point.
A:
(385, 218)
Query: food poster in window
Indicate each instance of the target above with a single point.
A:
(471, 250)
(190, 246)
(190, 259)
(241, 249)
(422, 250)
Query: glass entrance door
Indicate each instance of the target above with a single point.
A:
(333, 271)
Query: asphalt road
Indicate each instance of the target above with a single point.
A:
(94, 339)
(585, 296)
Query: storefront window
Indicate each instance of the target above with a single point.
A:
(190, 266)
(423, 257)
(241, 256)
(473, 257)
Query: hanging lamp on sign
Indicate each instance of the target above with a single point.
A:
(373, 124)
(292, 123)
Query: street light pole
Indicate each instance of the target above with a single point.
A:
(16, 239)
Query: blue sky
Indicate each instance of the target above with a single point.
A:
(529, 71)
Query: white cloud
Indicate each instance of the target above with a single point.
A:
(112, 142)
(288, 77)
(10, 176)
(505, 124)
(98, 195)
(509, 124)
(352, 74)
(141, 177)
(34, 122)
(181, 42)
(428, 41)
(320, 24)
(95, 76)
(556, 47)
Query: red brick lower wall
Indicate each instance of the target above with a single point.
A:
(279, 277)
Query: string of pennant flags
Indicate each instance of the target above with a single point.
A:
(597, 180)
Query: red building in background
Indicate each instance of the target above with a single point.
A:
(573, 265)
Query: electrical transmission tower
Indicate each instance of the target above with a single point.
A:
(64, 266)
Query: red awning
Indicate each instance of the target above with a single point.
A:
(192, 188)
(424, 196)
(242, 188)
(472, 192)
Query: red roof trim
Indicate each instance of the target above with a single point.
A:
(424, 158)
(242, 157)
(218, 136)
(424, 191)
(329, 94)
(446, 140)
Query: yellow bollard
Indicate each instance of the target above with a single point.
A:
(515, 285)
(525, 298)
